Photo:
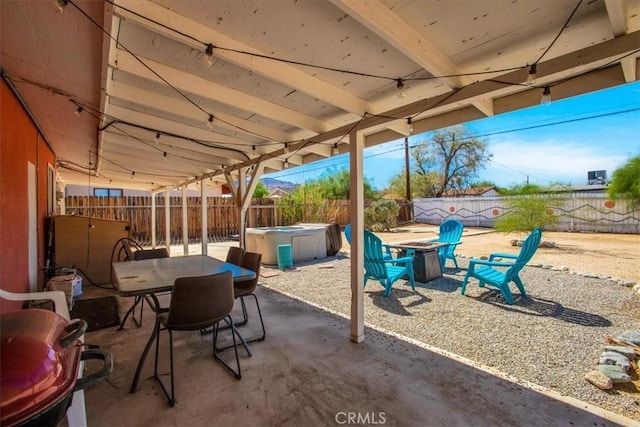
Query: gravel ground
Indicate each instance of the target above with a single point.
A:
(552, 338)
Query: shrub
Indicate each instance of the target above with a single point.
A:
(381, 215)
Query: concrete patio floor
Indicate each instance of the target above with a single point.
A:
(308, 372)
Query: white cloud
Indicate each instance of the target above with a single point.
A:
(550, 160)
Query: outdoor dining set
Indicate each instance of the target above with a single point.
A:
(203, 289)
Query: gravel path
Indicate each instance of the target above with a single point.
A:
(551, 338)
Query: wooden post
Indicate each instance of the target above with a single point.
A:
(356, 208)
(167, 219)
(203, 227)
(153, 221)
(185, 223)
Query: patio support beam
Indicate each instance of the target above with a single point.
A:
(240, 195)
(185, 225)
(246, 199)
(204, 223)
(356, 215)
(167, 219)
(153, 220)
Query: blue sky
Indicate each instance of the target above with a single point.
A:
(559, 142)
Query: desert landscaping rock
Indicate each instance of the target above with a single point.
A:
(616, 373)
(599, 380)
(627, 352)
(613, 358)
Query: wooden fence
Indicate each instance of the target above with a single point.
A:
(222, 215)
(578, 211)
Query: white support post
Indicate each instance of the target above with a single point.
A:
(205, 223)
(185, 225)
(167, 219)
(356, 214)
(153, 220)
(242, 191)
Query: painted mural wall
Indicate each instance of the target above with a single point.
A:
(22, 149)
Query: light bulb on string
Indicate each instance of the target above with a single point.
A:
(409, 126)
(335, 151)
(133, 173)
(60, 5)
(78, 111)
(157, 138)
(533, 71)
(210, 122)
(208, 55)
(164, 155)
(286, 148)
(402, 93)
(286, 164)
(546, 96)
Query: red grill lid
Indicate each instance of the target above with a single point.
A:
(36, 370)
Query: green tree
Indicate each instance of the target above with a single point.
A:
(334, 184)
(422, 185)
(261, 191)
(529, 206)
(451, 160)
(625, 182)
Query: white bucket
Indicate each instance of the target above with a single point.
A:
(70, 284)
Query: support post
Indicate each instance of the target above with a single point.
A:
(153, 220)
(204, 227)
(167, 219)
(356, 214)
(185, 223)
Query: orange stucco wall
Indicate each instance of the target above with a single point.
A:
(20, 143)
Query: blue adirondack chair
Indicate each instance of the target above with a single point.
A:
(486, 273)
(450, 232)
(387, 271)
(387, 249)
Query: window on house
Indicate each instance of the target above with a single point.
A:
(107, 192)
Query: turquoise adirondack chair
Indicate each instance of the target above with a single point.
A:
(484, 270)
(387, 271)
(450, 232)
(387, 249)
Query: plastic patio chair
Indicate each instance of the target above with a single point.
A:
(387, 250)
(383, 269)
(197, 303)
(487, 274)
(450, 232)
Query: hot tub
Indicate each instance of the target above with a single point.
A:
(307, 242)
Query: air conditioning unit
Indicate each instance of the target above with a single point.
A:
(597, 177)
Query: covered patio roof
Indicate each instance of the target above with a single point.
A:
(283, 83)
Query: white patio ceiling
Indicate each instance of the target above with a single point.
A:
(459, 60)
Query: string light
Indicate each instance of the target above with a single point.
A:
(546, 96)
(286, 148)
(533, 71)
(210, 122)
(335, 151)
(157, 138)
(78, 111)
(409, 126)
(133, 173)
(164, 156)
(208, 57)
(61, 4)
(402, 93)
(253, 147)
(286, 164)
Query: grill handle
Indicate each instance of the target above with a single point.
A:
(74, 331)
(96, 377)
